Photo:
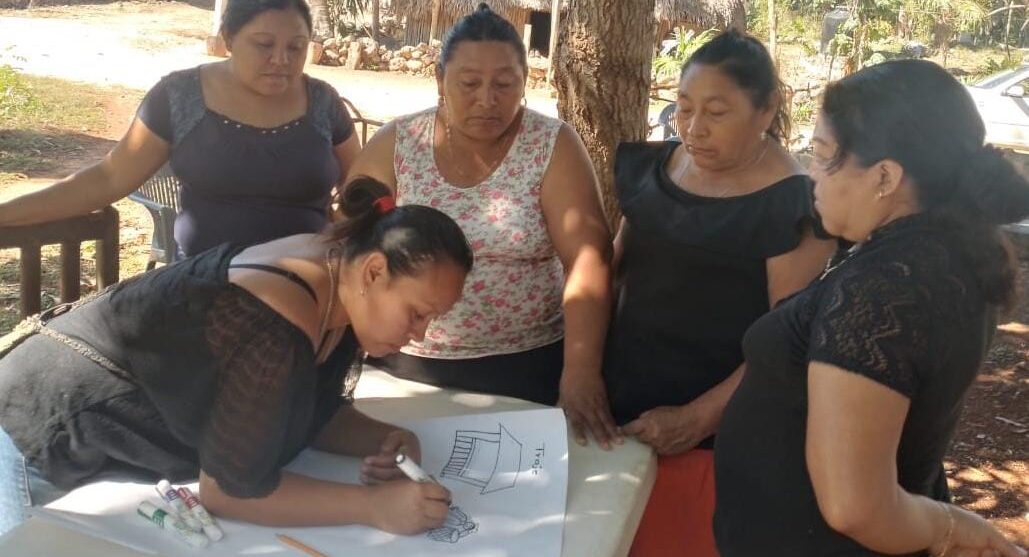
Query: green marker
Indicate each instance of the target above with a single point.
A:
(167, 521)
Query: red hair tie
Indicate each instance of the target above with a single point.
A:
(384, 204)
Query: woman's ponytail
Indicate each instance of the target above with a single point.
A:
(408, 236)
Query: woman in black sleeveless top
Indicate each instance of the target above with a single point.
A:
(227, 364)
(833, 442)
(716, 230)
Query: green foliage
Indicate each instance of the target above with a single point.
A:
(816, 8)
(842, 44)
(940, 19)
(992, 66)
(803, 112)
(343, 13)
(873, 24)
(16, 97)
(878, 29)
(686, 43)
(793, 26)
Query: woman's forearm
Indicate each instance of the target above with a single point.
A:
(587, 308)
(900, 522)
(352, 433)
(714, 401)
(80, 193)
(298, 501)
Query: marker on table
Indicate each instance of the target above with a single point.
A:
(167, 492)
(411, 469)
(162, 519)
(210, 526)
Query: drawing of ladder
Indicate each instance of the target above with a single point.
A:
(487, 460)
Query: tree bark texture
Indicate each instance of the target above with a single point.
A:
(321, 23)
(603, 79)
(375, 20)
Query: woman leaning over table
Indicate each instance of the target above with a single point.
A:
(717, 229)
(257, 145)
(227, 364)
(523, 189)
(834, 440)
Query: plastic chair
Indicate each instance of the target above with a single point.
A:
(667, 121)
(160, 195)
(359, 120)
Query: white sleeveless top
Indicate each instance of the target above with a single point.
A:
(512, 297)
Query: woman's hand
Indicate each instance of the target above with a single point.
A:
(584, 400)
(672, 430)
(969, 535)
(408, 507)
(382, 466)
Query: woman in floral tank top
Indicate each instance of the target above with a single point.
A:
(533, 317)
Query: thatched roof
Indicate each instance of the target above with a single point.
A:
(422, 9)
(706, 13)
(700, 12)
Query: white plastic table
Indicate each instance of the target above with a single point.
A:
(607, 490)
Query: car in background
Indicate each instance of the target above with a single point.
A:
(1004, 106)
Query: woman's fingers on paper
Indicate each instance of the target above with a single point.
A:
(578, 429)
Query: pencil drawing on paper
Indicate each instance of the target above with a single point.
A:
(456, 526)
(488, 460)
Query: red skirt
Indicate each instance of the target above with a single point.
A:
(677, 520)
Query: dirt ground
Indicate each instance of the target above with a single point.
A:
(131, 44)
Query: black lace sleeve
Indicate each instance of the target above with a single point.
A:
(875, 322)
(261, 358)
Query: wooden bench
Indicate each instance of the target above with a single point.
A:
(69, 233)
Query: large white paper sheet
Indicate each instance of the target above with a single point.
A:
(508, 473)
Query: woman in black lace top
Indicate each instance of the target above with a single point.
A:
(833, 442)
(227, 364)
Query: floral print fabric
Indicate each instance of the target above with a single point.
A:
(512, 297)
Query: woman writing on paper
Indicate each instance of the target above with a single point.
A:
(226, 365)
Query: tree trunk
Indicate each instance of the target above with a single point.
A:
(321, 23)
(738, 19)
(772, 29)
(1007, 30)
(555, 31)
(853, 62)
(603, 79)
(437, 7)
(375, 20)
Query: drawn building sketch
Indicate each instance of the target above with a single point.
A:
(490, 461)
(456, 526)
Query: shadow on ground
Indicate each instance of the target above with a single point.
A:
(48, 153)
